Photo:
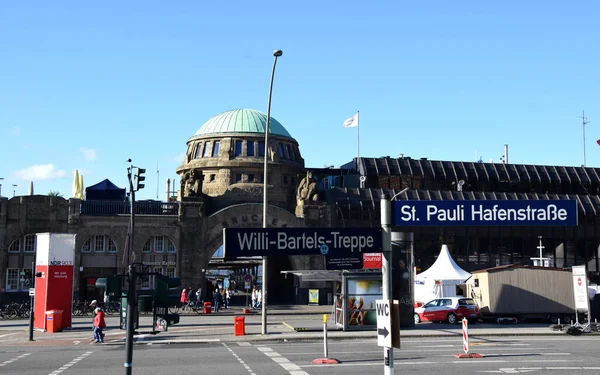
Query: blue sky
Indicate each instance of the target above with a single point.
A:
(87, 86)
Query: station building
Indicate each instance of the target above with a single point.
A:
(221, 185)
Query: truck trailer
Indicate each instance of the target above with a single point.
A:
(523, 292)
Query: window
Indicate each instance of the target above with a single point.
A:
(206, 149)
(251, 177)
(250, 148)
(170, 246)
(261, 148)
(281, 152)
(99, 244)
(198, 151)
(15, 246)
(29, 243)
(215, 151)
(285, 179)
(238, 148)
(158, 245)
(170, 272)
(289, 152)
(213, 177)
(238, 177)
(12, 279)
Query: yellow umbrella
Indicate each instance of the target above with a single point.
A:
(76, 184)
(80, 186)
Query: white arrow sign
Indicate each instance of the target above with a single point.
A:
(384, 323)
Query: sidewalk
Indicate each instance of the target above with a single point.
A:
(285, 323)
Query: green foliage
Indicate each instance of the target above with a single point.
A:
(55, 194)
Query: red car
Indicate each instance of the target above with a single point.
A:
(449, 309)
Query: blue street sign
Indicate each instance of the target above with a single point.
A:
(248, 242)
(485, 213)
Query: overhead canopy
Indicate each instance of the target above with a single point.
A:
(105, 191)
(440, 279)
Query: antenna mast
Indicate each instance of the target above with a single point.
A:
(157, 180)
(584, 122)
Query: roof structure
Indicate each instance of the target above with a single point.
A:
(241, 121)
(105, 190)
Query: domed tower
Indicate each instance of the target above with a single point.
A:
(225, 161)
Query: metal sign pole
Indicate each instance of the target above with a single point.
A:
(386, 271)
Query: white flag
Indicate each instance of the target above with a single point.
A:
(351, 122)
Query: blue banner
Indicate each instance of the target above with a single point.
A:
(485, 213)
(249, 242)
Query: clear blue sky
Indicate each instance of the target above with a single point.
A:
(86, 86)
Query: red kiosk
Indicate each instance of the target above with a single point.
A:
(55, 253)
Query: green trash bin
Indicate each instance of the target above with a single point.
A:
(145, 304)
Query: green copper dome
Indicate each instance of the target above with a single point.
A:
(241, 121)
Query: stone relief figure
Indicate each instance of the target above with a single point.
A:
(191, 183)
(307, 190)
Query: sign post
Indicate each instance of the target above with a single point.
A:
(580, 292)
(384, 323)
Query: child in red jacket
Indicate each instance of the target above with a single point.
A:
(99, 324)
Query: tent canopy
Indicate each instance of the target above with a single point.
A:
(444, 269)
(106, 191)
(440, 279)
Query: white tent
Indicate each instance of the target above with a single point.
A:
(440, 279)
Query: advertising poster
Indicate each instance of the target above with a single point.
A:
(362, 295)
(339, 305)
(313, 296)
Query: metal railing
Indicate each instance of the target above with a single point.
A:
(111, 208)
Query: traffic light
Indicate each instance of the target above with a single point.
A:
(112, 285)
(166, 291)
(139, 178)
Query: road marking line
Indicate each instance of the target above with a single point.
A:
(73, 362)
(285, 363)
(14, 359)
(244, 344)
(238, 359)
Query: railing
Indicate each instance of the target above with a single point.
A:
(111, 208)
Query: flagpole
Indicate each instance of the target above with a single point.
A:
(357, 140)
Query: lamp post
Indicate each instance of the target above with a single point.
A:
(276, 54)
(15, 189)
(1, 179)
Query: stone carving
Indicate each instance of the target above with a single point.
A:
(307, 190)
(191, 183)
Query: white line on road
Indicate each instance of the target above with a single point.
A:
(238, 358)
(14, 359)
(73, 362)
(290, 367)
(10, 334)
(244, 343)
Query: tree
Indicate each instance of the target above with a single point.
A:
(55, 194)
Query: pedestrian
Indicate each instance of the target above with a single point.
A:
(254, 294)
(199, 296)
(227, 297)
(258, 298)
(184, 297)
(99, 325)
(216, 299)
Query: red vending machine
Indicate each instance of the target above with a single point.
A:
(54, 258)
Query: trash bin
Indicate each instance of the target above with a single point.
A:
(239, 326)
(53, 321)
(207, 307)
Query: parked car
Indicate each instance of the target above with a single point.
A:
(449, 309)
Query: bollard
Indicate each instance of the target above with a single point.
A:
(465, 336)
(558, 321)
(325, 335)
(325, 360)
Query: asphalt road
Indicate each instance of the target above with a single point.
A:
(548, 355)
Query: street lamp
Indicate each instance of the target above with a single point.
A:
(1, 179)
(14, 189)
(276, 54)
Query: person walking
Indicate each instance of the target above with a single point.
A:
(254, 294)
(216, 300)
(99, 325)
(227, 297)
